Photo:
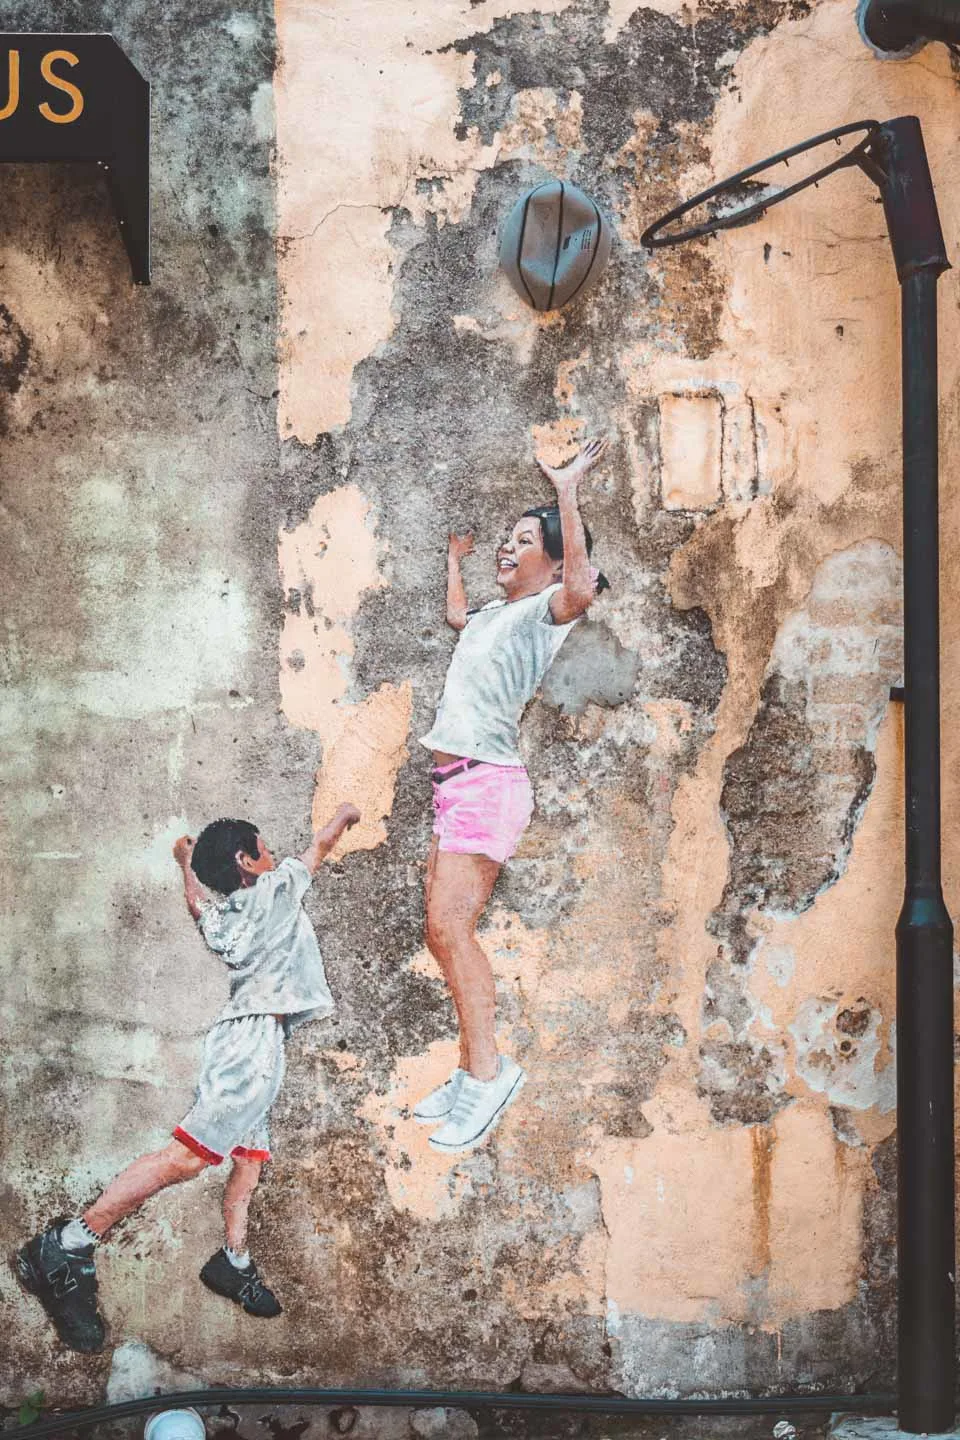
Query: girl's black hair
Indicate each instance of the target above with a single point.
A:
(214, 859)
(550, 529)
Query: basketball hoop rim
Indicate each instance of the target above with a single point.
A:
(651, 240)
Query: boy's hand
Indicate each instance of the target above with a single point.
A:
(346, 816)
(193, 892)
(460, 545)
(566, 478)
(324, 840)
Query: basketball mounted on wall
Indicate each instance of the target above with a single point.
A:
(555, 244)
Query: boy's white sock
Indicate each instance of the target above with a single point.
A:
(239, 1262)
(77, 1235)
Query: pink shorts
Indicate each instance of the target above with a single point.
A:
(483, 810)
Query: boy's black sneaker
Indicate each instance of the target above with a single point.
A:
(65, 1283)
(243, 1287)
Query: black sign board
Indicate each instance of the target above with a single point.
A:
(78, 97)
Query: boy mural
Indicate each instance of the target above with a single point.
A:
(259, 928)
(482, 797)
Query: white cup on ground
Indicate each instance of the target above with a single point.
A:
(175, 1425)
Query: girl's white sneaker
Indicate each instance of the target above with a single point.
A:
(439, 1103)
(478, 1107)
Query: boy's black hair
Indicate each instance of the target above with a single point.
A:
(214, 855)
(550, 529)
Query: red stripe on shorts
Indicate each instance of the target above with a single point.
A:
(242, 1153)
(210, 1156)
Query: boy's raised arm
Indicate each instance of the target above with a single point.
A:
(458, 546)
(194, 893)
(325, 839)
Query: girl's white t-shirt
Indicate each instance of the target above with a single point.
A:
(502, 655)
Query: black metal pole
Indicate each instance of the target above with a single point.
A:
(925, 1222)
(925, 1225)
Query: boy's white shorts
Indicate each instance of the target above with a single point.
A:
(240, 1077)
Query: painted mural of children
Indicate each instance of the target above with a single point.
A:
(481, 791)
(259, 928)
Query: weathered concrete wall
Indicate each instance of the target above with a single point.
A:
(138, 469)
(217, 606)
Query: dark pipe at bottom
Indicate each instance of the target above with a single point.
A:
(459, 1400)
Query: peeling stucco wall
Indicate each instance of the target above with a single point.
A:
(226, 503)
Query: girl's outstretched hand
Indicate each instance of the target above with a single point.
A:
(461, 545)
(567, 477)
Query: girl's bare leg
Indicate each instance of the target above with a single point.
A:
(145, 1177)
(458, 888)
(464, 1060)
(244, 1178)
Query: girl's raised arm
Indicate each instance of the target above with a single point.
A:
(459, 546)
(577, 588)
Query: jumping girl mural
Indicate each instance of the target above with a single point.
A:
(482, 796)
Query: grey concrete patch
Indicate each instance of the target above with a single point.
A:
(136, 1371)
(876, 1427)
(592, 667)
(439, 1422)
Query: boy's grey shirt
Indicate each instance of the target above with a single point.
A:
(265, 938)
